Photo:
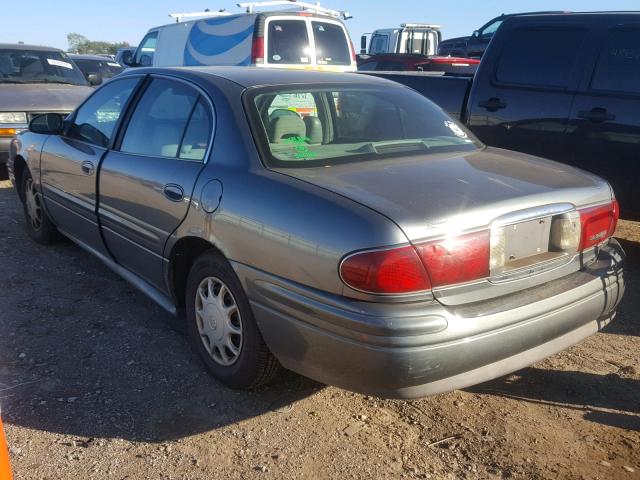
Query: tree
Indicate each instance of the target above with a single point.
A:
(81, 44)
(75, 40)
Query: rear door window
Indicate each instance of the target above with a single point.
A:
(544, 57)
(288, 42)
(158, 124)
(196, 138)
(332, 46)
(618, 68)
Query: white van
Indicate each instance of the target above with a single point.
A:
(313, 38)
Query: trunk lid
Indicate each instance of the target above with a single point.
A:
(427, 195)
(436, 195)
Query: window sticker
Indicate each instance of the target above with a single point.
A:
(300, 144)
(59, 63)
(277, 57)
(304, 59)
(457, 131)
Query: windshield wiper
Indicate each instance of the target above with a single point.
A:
(6, 80)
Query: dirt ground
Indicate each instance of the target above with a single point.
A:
(96, 382)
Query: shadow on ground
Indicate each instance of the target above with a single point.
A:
(83, 353)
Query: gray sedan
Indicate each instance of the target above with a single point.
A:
(342, 226)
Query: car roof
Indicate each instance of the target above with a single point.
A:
(90, 57)
(22, 46)
(253, 76)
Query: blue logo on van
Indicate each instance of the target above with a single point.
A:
(220, 41)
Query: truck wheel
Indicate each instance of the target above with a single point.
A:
(222, 328)
(39, 226)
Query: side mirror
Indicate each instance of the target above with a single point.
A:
(47, 124)
(127, 58)
(363, 44)
(94, 79)
(475, 34)
(145, 61)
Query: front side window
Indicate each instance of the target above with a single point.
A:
(95, 121)
(146, 50)
(618, 68)
(288, 42)
(490, 29)
(159, 121)
(350, 124)
(38, 66)
(332, 46)
(543, 57)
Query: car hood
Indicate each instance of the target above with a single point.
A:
(41, 97)
(431, 195)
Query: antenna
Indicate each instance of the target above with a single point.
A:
(207, 13)
(314, 7)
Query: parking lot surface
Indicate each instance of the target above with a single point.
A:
(97, 382)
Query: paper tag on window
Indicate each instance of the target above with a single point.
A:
(113, 64)
(304, 59)
(59, 63)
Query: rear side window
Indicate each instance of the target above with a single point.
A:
(332, 47)
(618, 67)
(543, 57)
(159, 122)
(288, 42)
(96, 119)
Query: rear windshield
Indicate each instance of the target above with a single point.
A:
(38, 66)
(288, 42)
(310, 127)
(331, 44)
(107, 68)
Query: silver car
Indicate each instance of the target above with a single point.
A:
(339, 225)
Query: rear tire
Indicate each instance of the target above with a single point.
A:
(221, 326)
(38, 224)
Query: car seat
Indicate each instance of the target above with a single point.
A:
(282, 128)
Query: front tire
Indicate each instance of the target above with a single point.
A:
(222, 328)
(38, 224)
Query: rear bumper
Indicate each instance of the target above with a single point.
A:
(414, 350)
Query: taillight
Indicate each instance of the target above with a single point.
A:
(598, 223)
(456, 260)
(353, 51)
(257, 50)
(397, 270)
(421, 267)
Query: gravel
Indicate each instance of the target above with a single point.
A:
(98, 382)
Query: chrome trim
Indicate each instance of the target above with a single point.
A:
(532, 213)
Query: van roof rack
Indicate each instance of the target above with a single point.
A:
(314, 7)
(420, 25)
(207, 13)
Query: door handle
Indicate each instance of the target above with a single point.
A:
(87, 168)
(596, 115)
(493, 104)
(173, 192)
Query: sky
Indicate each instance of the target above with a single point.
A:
(47, 22)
